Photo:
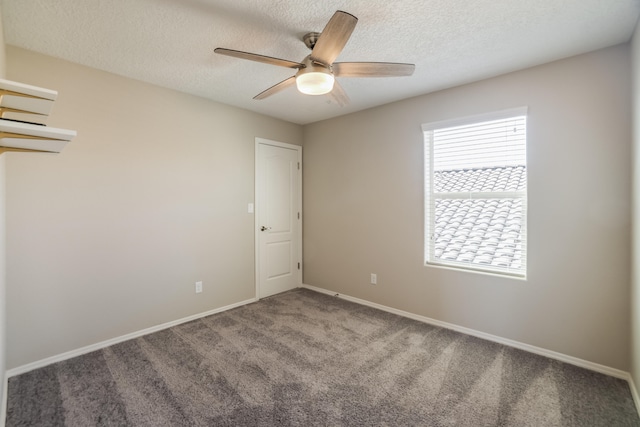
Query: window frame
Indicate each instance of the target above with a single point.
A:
(430, 197)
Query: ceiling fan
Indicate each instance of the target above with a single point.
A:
(316, 73)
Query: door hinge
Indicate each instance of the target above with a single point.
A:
(298, 165)
(298, 215)
(298, 266)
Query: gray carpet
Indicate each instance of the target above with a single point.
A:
(306, 359)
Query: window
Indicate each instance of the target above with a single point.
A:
(476, 193)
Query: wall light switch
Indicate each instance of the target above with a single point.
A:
(250, 208)
(198, 287)
(374, 279)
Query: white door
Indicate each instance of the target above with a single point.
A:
(278, 217)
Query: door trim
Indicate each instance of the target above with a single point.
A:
(256, 226)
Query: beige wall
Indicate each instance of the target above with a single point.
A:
(109, 236)
(3, 351)
(364, 209)
(635, 293)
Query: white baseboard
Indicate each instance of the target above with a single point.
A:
(3, 404)
(98, 346)
(634, 392)
(617, 373)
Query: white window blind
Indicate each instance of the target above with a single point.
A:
(476, 193)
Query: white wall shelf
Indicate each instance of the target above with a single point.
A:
(22, 110)
(30, 137)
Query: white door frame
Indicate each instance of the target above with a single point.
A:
(257, 212)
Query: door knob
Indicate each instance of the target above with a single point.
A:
(263, 228)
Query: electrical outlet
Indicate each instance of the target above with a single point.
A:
(198, 287)
(374, 279)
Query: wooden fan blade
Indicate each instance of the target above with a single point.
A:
(372, 69)
(339, 95)
(334, 37)
(276, 88)
(258, 58)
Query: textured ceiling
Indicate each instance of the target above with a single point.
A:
(170, 43)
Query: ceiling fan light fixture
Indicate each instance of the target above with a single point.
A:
(315, 82)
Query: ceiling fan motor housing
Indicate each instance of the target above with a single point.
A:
(314, 78)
